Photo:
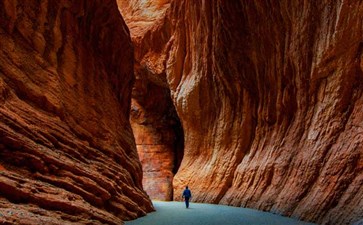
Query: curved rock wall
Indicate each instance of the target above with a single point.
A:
(67, 153)
(269, 95)
(157, 129)
(157, 135)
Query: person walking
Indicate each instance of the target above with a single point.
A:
(187, 195)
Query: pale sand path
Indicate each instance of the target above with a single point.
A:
(175, 213)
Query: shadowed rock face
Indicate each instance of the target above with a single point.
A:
(158, 136)
(67, 153)
(156, 126)
(269, 95)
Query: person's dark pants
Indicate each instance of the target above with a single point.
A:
(186, 202)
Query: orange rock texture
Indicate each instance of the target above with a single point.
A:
(269, 94)
(157, 129)
(156, 134)
(67, 152)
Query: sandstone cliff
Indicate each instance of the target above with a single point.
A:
(67, 153)
(269, 94)
(157, 129)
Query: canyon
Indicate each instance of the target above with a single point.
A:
(269, 96)
(67, 151)
(106, 104)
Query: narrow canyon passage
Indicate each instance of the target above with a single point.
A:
(158, 135)
(268, 95)
(107, 104)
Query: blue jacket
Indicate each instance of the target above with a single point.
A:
(187, 193)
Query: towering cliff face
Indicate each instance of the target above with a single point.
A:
(157, 129)
(269, 95)
(67, 153)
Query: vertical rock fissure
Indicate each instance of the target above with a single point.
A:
(159, 137)
(157, 128)
(178, 145)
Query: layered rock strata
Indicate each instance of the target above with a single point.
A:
(156, 126)
(269, 95)
(67, 153)
(157, 145)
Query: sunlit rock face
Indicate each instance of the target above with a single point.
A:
(67, 153)
(156, 126)
(269, 94)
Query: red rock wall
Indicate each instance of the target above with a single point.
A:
(157, 129)
(67, 150)
(269, 94)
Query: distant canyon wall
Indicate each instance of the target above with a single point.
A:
(269, 95)
(67, 152)
(156, 126)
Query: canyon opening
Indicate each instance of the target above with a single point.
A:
(159, 137)
(254, 104)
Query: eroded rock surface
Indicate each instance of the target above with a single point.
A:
(67, 153)
(269, 95)
(157, 129)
